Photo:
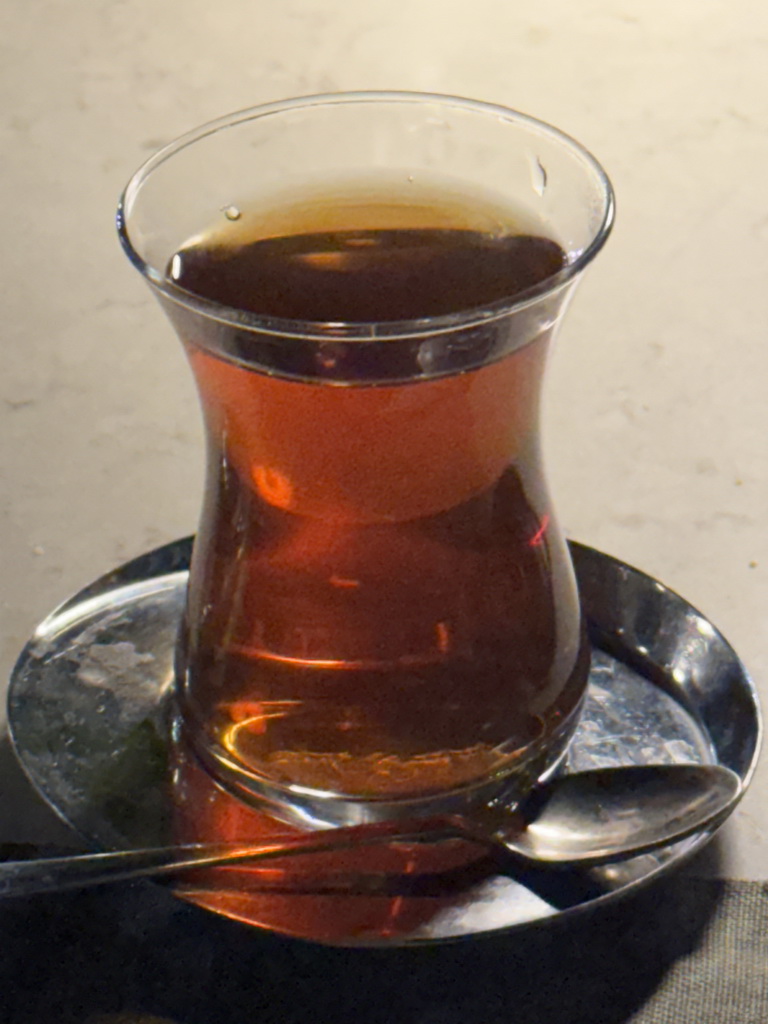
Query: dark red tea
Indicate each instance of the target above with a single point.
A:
(381, 606)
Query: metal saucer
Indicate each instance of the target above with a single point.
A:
(88, 717)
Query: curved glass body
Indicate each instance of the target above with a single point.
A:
(382, 616)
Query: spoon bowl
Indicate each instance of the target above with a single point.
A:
(595, 817)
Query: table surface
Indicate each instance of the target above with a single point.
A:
(655, 418)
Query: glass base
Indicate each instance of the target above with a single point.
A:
(311, 808)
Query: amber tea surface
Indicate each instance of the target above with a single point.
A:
(380, 604)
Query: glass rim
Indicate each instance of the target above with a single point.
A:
(360, 330)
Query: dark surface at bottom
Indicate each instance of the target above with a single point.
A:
(134, 954)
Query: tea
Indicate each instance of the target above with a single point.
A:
(380, 606)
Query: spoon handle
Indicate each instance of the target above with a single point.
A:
(56, 874)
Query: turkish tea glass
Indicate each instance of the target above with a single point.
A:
(382, 617)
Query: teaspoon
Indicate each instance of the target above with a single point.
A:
(583, 819)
